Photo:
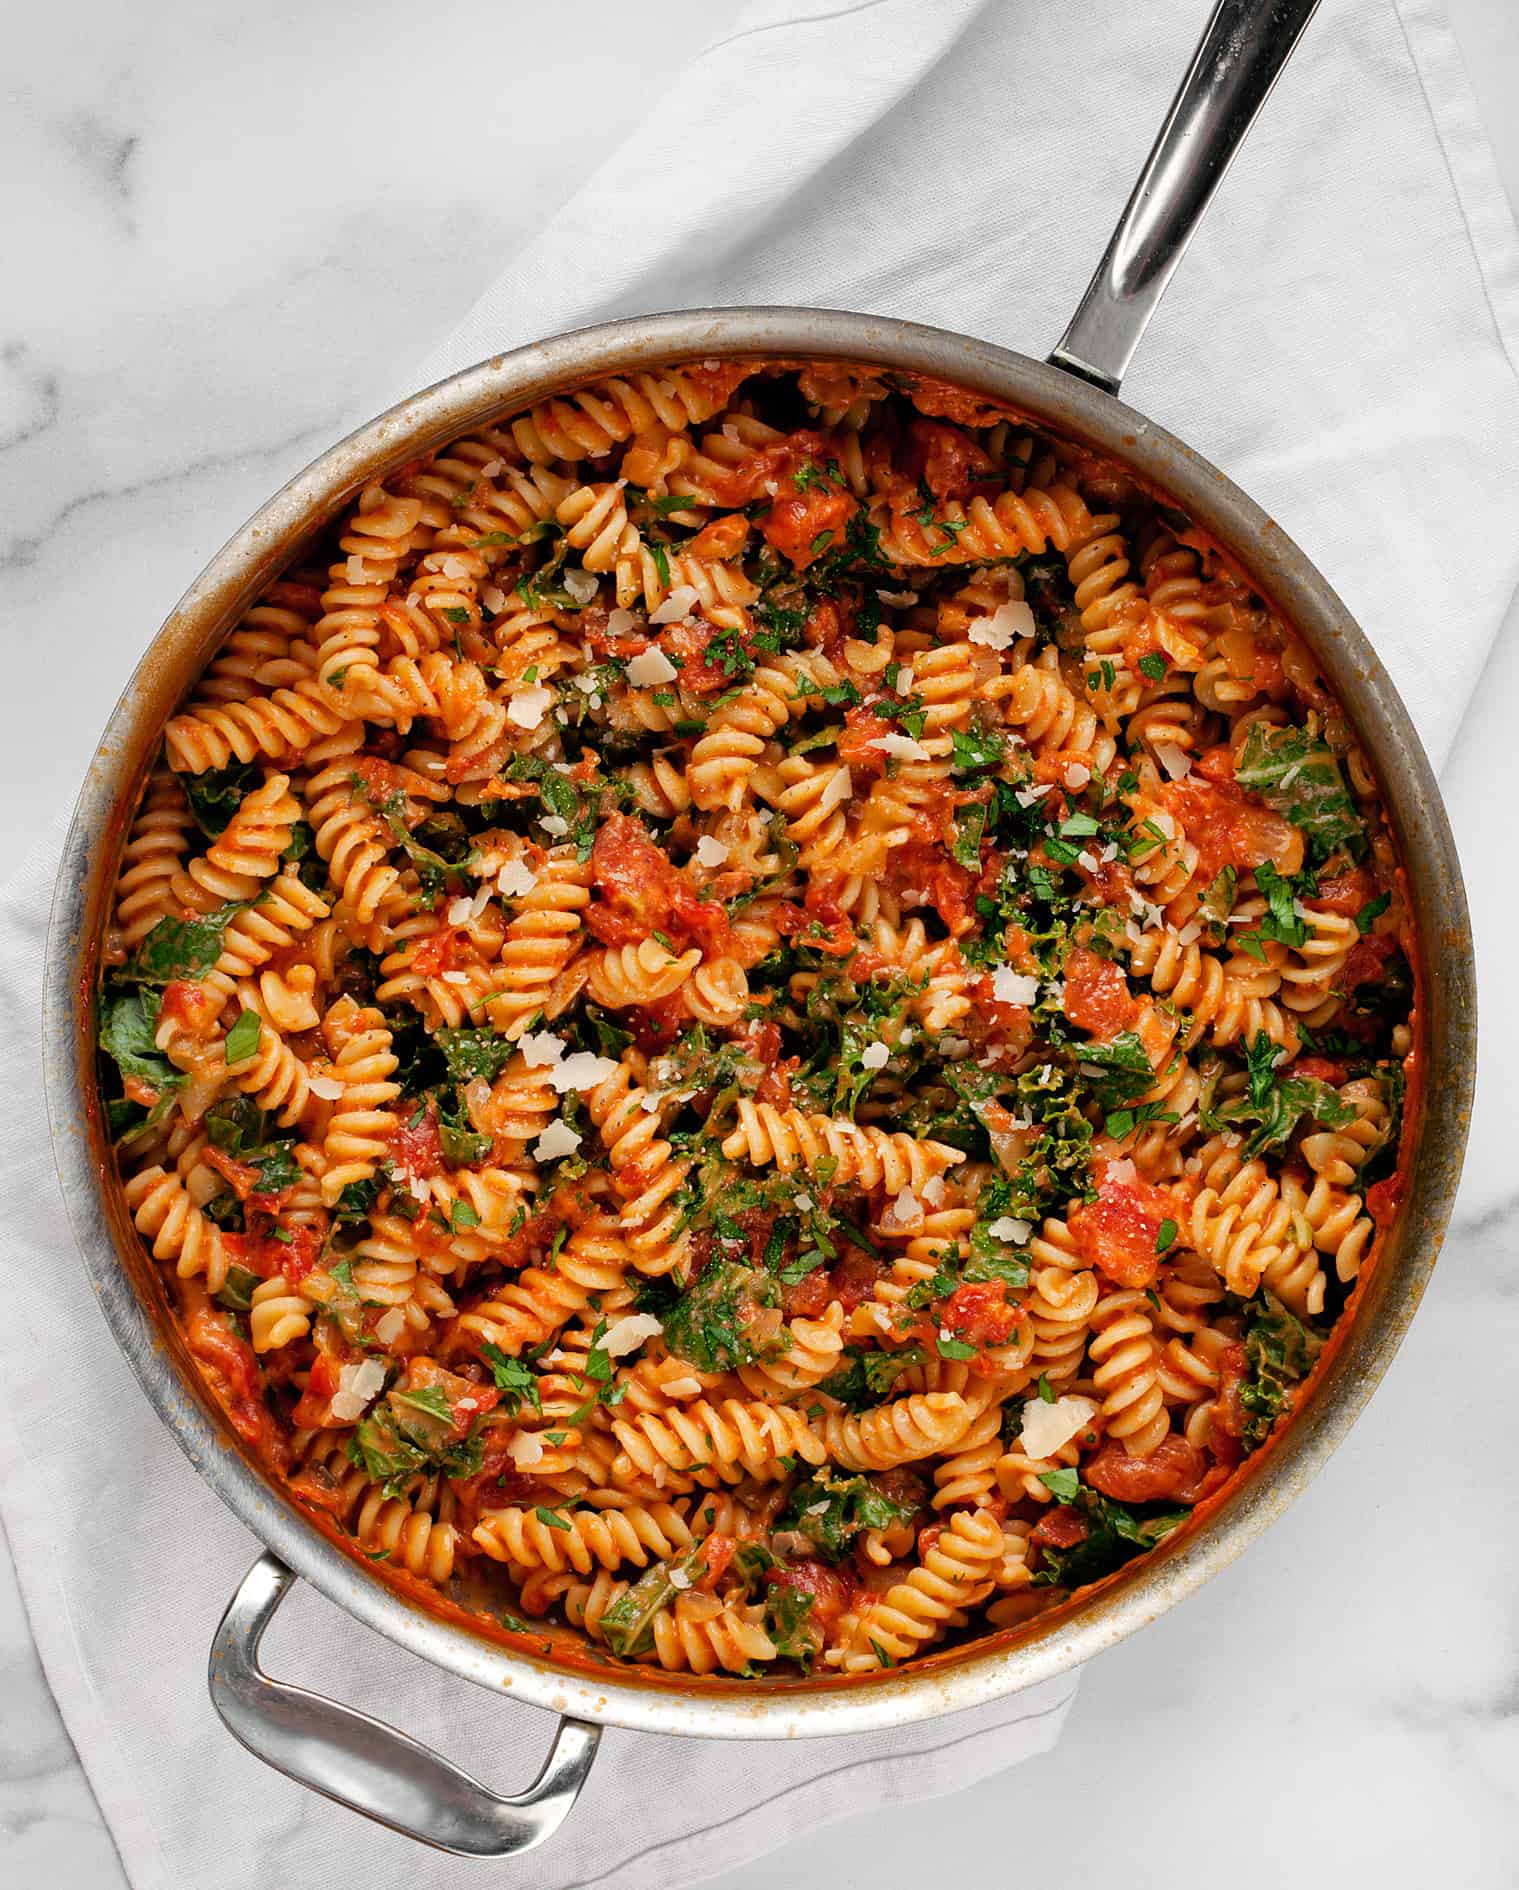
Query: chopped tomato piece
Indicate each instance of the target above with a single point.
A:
(803, 525)
(381, 779)
(437, 953)
(722, 539)
(313, 1412)
(1326, 1069)
(942, 398)
(1229, 1414)
(1097, 998)
(241, 1177)
(1383, 1199)
(1366, 960)
(416, 1146)
(1117, 1232)
(833, 1590)
(1346, 893)
(1228, 828)
(642, 892)
(1172, 1472)
(192, 1006)
(232, 1371)
(1060, 1528)
(980, 1315)
(717, 1552)
(949, 461)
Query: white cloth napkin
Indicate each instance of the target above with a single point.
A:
(1341, 338)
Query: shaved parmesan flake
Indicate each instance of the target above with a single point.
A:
(677, 605)
(554, 824)
(460, 911)
(1174, 760)
(874, 1056)
(1013, 987)
(711, 852)
(494, 599)
(358, 1385)
(679, 1578)
(803, 1202)
(933, 1191)
(619, 622)
(541, 1048)
(1189, 932)
(492, 467)
(580, 585)
(357, 572)
(898, 600)
(1087, 858)
(650, 667)
(416, 1187)
(452, 565)
(1122, 1171)
(389, 1326)
(905, 1211)
(1049, 1427)
(904, 680)
(557, 1140)
(516, 879)
(629, 1333)
(1013, 1231)
(1003, 627)
(528, 707)
(902, 746)
(1077, 775)
(327, 1087)
(583, 1070)
(456, 977)
(1026, 796)
(525, 1448)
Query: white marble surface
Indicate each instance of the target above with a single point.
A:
(186, 322)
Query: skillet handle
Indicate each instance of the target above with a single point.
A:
(371, 1767)
(1243, 49)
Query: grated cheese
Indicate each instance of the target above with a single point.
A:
(874, 1056)
(677, 605)
(583, 1070)
(1016, 1232)
(516, 879)
(1174, 760)
(528, 707)
(1003, 627)
(580, 585)
(1050, 1427)
(327, 1087)
(710, 851)
(902, 746)
(557, 1139)
(650, 667)
(1014, 987)
(541, 1048)
(629, 1333)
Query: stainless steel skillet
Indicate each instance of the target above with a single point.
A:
(372, 1767)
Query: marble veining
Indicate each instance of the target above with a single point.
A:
(180, 336)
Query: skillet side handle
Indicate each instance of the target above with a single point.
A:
(371, 1767)
(1243, 49)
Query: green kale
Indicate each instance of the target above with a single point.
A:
(710, 1323)
(867, 1378)
(1299, 777)
(237, 1288)
(1273, 1103)
(471, 1053)
(216, 795)
(179, 948)
(628, 1625)
(1116, 1533)
(832, 1510)
(128, 1023)
(788, 1621)
(1280, 1350)
(462, 1145)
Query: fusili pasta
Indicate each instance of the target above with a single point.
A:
(768, 1021)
